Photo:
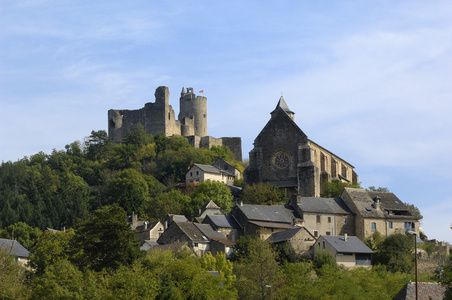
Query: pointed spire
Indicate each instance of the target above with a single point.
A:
(183, 91)
(283, 105)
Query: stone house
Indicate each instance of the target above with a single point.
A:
(200, 173)
(171, 217)
(299, 238)
(378, 211)
(218, 242)
(224, 224)
(210, 208)
(285, 157)
(426, 290)
(263, 220)
(185, 232)
(149, 231)
(324, 216)
(14, 248)
(348, 251)
(201, 238)
(227, 167)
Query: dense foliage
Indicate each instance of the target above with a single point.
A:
(255, 274)
(57, 189)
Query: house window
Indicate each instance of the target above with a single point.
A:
(373, 226)
(197, 172)
(316, 233)
(390, 224)
(409, 226)
(318, 218)
(191, 174)
(196, 244)
(345, 220)
(329, 219)
(328, 233)
(323, 245)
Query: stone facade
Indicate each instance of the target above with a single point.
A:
(285, 157)
(159, 117)
(379, 211)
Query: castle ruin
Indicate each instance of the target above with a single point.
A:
(159, 117)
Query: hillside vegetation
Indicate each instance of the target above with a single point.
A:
(54, 190)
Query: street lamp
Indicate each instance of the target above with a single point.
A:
(270, 288)
(415, 258)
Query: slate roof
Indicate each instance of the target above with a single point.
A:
(272, 224)
(323, 205)
(282, 104)
(179, 218)
(208, 231)
(426, 290)
(352, 245)
(221, 221)
(364, 200)
(149, 226)
(267, 213)
(208, 169)
(282, 236)
(14, 248)
(192, 232)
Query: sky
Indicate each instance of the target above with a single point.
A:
(368, 80)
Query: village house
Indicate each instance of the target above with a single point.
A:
(201, 173)
(149, 231)
(201, 238)
(14, 248)
(348, 251)
(224, 224)
(299, 238)
(263, 220)
(210, 208)
(378, 211)
(324, 216)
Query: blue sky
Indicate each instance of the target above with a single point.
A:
(368, 80)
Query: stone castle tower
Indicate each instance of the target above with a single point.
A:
(285, 157)
(159, 117)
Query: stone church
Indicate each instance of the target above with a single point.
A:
(159, 117)
(285, 157)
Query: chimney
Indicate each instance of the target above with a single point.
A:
(345, 237)
(377, 203)
(241, 203)
(145, 225)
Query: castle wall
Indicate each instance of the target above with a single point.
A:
(159, 117)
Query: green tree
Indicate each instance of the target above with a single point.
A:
(378, 189)
(50, 248)
(334, 189)
(257, 273)
(130, 190)
(218, 192)
(222, 265)
(263, 193)
(12, 278)
(107, 240)
(324, 259)
(396, 253)
(23, 233)
(173, 202)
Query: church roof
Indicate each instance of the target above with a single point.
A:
(282, 104)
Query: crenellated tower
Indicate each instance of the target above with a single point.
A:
(193, 110)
